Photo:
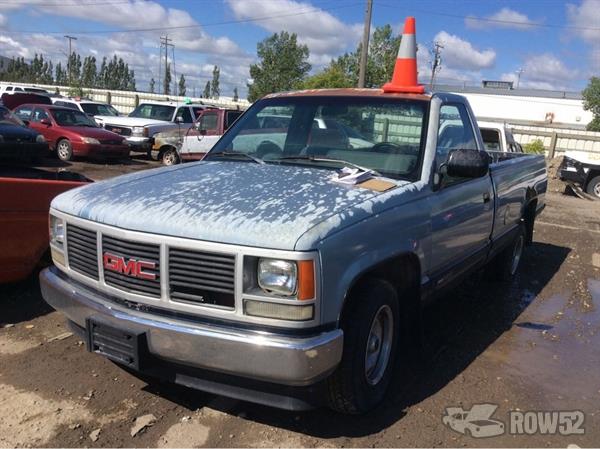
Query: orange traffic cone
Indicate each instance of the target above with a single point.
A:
(404, 79)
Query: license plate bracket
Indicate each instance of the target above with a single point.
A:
(125, 346)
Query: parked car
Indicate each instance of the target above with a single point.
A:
(25, 195)
(171, 147)
(289, 271)
(12, 88)
(149, 118)
(72, 133)
(583, 170)
(89, 107)
(12, 101)
(498, 137)
(18, 143)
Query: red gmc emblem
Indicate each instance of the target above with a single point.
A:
(129, 267)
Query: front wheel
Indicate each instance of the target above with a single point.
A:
(371, 335)
(593, 187)
(64, 150)
(170, 157)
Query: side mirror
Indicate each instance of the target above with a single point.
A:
(179, 119)
(46, 121)
(463, 163)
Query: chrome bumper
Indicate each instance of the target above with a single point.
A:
(258, 355)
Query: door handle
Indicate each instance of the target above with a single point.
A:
(486, 197)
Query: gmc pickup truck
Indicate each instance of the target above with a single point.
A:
(288, 267)
(149, 118)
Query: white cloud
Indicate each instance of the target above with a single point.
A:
(544, 71)
(461, 55)
(325, 35)
(505, 18)
(586, 17)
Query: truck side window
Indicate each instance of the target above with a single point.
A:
(208, 122)
(185, 114)
(455, 132)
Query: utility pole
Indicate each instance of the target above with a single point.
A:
(365, 45)
(70, 38)
(165, 44)
(436, 63)
(519, 73)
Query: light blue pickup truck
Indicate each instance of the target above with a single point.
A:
(289, 267)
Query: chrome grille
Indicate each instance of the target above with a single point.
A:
(82, 251)
(132, 251)
(201, 278)
(121, 130)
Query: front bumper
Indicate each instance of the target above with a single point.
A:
(142, 144)
(100, 150)
(264, 356)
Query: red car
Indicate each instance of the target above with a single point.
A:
(72, 133)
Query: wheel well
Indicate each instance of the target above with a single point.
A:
(165, 148)
(58, 139)
(403, 272)
(591, 175)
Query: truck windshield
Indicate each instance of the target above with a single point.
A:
(381, 134)
(154, 111)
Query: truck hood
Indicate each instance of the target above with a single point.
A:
(243, 203)
(128, 121)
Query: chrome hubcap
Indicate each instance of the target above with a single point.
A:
(169, 158)
(63, 150)
(379, 345)
(516, 257)
(597, 190)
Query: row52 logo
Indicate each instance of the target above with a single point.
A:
(479, 422)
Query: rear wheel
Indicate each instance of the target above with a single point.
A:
(170, 157)
(593, 187)
(371, 334)
(64, 151)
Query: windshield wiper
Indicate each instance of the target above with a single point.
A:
(234, 155)
(326, 159)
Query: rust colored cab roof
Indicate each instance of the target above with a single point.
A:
(348, 92)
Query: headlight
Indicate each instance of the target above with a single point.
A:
(40, 139)
(90, 140)
(137, 130)
(57, 231)
(278, 276)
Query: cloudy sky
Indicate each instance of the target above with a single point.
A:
(555, 43)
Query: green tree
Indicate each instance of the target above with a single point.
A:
(591, 102)
(343, 71)
(215, 90)
(235, 94)
(535, 147)
(206, 91)
(152, 85)
(167, 80)
(60, 75)
(283, 65)
(181, 86)
(89, 72)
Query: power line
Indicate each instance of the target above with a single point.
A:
(507, 22)
(182, 27)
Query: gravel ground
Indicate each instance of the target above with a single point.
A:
(532, 344)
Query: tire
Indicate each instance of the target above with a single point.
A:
(353, 388)
(170, 157)
(505, 265)
(64, 151)
(593, 187)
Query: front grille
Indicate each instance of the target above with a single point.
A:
(125, 277)
(201, 278)
(82, 251)
(121, 130)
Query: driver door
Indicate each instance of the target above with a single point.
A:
(202, 136)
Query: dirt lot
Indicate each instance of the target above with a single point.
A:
(531, 345)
